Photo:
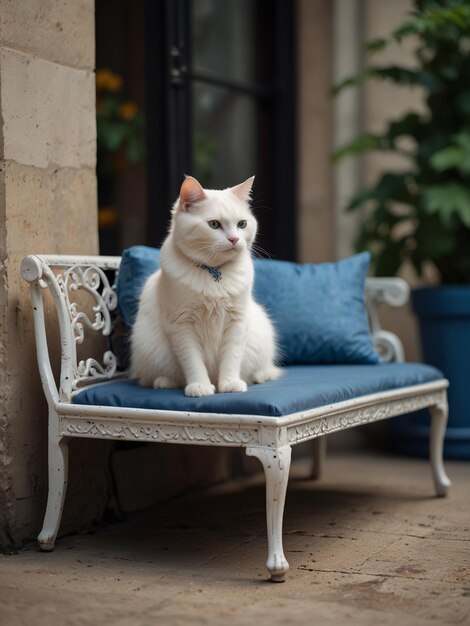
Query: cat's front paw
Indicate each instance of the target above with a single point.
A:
(232, 386)
(197, 390)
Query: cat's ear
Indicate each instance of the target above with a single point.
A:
(191, 192)
(243, 190)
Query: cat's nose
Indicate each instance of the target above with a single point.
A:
(233, 240)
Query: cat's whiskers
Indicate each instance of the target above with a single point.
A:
(202, 249)
(211, 253)
(260, 252)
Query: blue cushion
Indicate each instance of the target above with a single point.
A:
(137, 264)
(302, 387)
(318, 310)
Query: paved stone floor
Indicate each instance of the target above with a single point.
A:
(368, 544)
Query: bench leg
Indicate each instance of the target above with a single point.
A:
(276, 465)
(319, 457)
(439, 413)
(58, 470)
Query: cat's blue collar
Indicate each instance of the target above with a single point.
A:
(213, 271)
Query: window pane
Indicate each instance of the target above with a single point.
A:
(224, 136)
(224, 37)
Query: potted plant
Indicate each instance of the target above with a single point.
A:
(421, 214)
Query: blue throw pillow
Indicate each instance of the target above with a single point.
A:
(137, 264)
(318, 310)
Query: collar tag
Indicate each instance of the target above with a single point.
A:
(213, 271)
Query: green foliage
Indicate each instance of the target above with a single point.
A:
(456, 155)
(422, 213)
(449, 201)
(120, 126)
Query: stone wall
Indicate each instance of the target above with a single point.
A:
(47, 204)
(315, 127)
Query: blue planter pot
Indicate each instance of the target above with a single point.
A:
(444, 319)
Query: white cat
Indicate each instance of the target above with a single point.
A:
(198, 326)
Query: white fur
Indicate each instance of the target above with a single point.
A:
(192, 331)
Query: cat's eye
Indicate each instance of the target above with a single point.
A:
(241, 224)
(214, 224)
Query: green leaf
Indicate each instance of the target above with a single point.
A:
(375, 45)
(111, 134)
(408, 125)
(433, 241)
(367, 141)
(405, 76)
(360, 198)
(454, 156)
(448, 200)
(394, 73)
(448, 158)
(135, 149)
(437, 22)
(390, 187)
(351, 81)
(408, 28)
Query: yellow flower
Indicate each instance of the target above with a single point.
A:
(107, 80)
(108, 217)
(114, 83)
(128, 110)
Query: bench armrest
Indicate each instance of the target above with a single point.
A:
(84, 300)
(395, 292)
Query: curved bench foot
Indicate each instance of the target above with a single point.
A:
(439, 413)
(276, 465)
(58, 470)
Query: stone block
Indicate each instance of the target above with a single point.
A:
(48, 211)
(48, 112)
(63, 32)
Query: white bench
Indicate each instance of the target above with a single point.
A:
(72, 279)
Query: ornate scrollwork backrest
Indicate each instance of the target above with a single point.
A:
(94, 282)
(78, 316)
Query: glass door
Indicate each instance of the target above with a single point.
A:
(221, 78)
(226, 91)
